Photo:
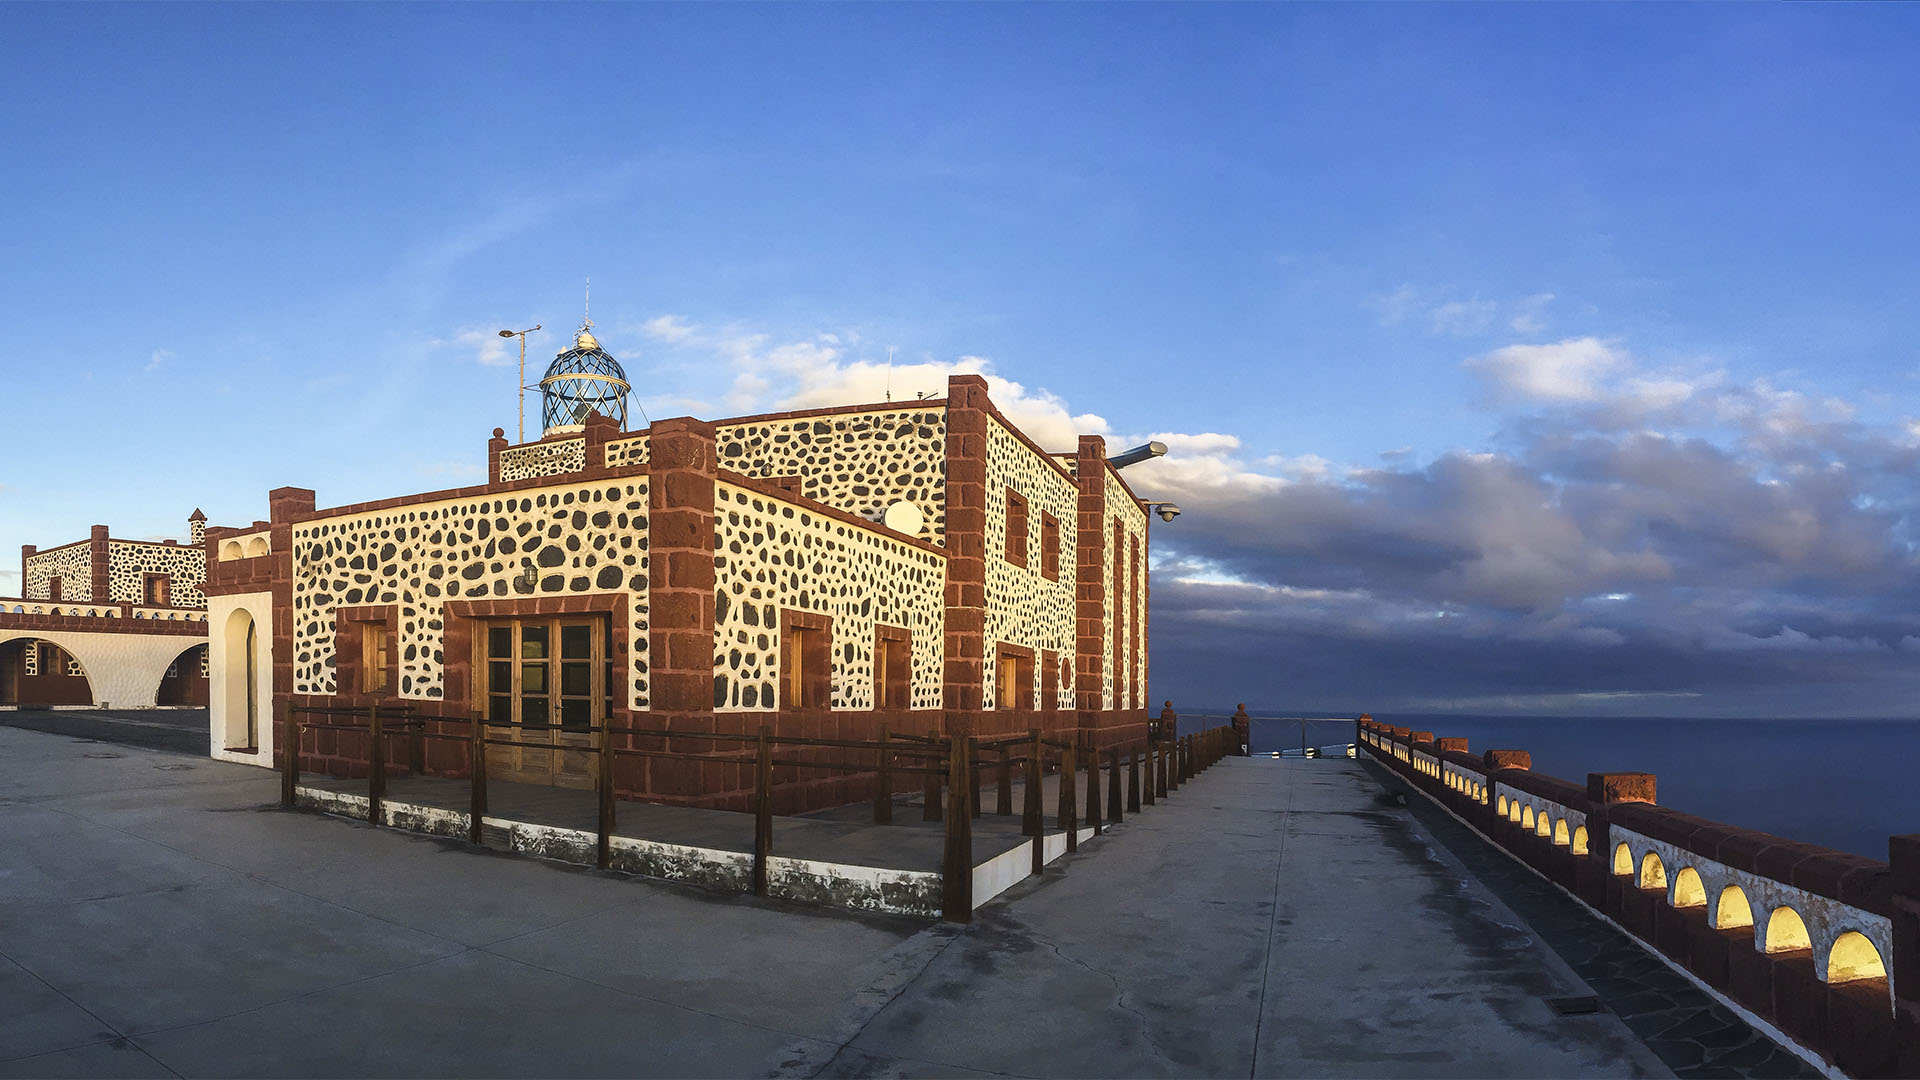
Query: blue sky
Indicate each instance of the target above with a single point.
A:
(1517, 357)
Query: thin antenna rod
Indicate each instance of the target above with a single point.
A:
(889, 373)
(586, 310)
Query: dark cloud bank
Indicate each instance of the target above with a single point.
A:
(1634, 545)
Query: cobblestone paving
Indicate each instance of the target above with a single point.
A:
(1695, 1035)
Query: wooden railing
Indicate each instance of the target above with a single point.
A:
(951, 768)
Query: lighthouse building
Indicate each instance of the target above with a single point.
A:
(924, 565)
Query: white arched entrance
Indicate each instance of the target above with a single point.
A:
(240, 693)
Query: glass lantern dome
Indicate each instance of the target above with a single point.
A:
(582, 380)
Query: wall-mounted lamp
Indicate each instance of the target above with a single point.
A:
(530, 576)
(1138, 454)
(1167, 511)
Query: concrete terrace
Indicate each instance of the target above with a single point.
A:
(159, 915)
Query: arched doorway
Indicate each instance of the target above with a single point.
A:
(240, 688)
(36, 672)
(185, 680)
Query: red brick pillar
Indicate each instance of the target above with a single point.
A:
(1598, 884)
(1242, 731)
(101, 583)
(494, 446)
(966, 609)
(26, 552)
(680, 566)
(599, 431)
(1090, 600)
(1492, 822)
(283, 504)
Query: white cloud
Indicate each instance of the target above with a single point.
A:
(1530, 315)
(817, 371)
(486, 347)
(1569, 371)
(671, 329)
(159, 357)
(1462, 318)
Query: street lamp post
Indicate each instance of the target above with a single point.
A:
(523, 375)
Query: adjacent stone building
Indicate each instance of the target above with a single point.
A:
(920, 564)
(107, 591)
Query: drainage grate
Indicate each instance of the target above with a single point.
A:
(1575, 1006)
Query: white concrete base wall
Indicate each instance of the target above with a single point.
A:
(226, 677)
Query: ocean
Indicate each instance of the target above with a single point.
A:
(1846, 784)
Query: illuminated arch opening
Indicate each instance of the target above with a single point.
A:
(1786, 931)
(1854, 958)
(1560, 836)
(1653, 873)
(1579, 844)
(1688, 892)
(1734, 912)
(1542, 825)
(1622, 861)
(1526, 818)
(1500, 806)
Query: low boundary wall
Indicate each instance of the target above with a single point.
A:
(1824, 944)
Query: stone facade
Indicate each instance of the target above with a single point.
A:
(1026, 606)
(72, 564)
(577, 538)
(859, 460)
(773, 553)
(129, 562)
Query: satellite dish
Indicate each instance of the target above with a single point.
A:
(904, 517)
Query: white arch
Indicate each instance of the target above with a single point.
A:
(123, 670)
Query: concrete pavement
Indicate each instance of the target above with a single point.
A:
(158, 916)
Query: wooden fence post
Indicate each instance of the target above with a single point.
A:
(604, 857)
(883, 780)
(762, 810)
(1068, 795)
(1032, 822)
(930, 794)
(957, 878)
(1003, 804)
(477, 771)
(290, 760)
(1093, 786)
(1133, 781)
(973, 781)
(1160, 770)
(1113, 783)
(376, 765)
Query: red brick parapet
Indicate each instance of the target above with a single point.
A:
(1862, 1024)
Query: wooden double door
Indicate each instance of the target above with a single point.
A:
(546, 687)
